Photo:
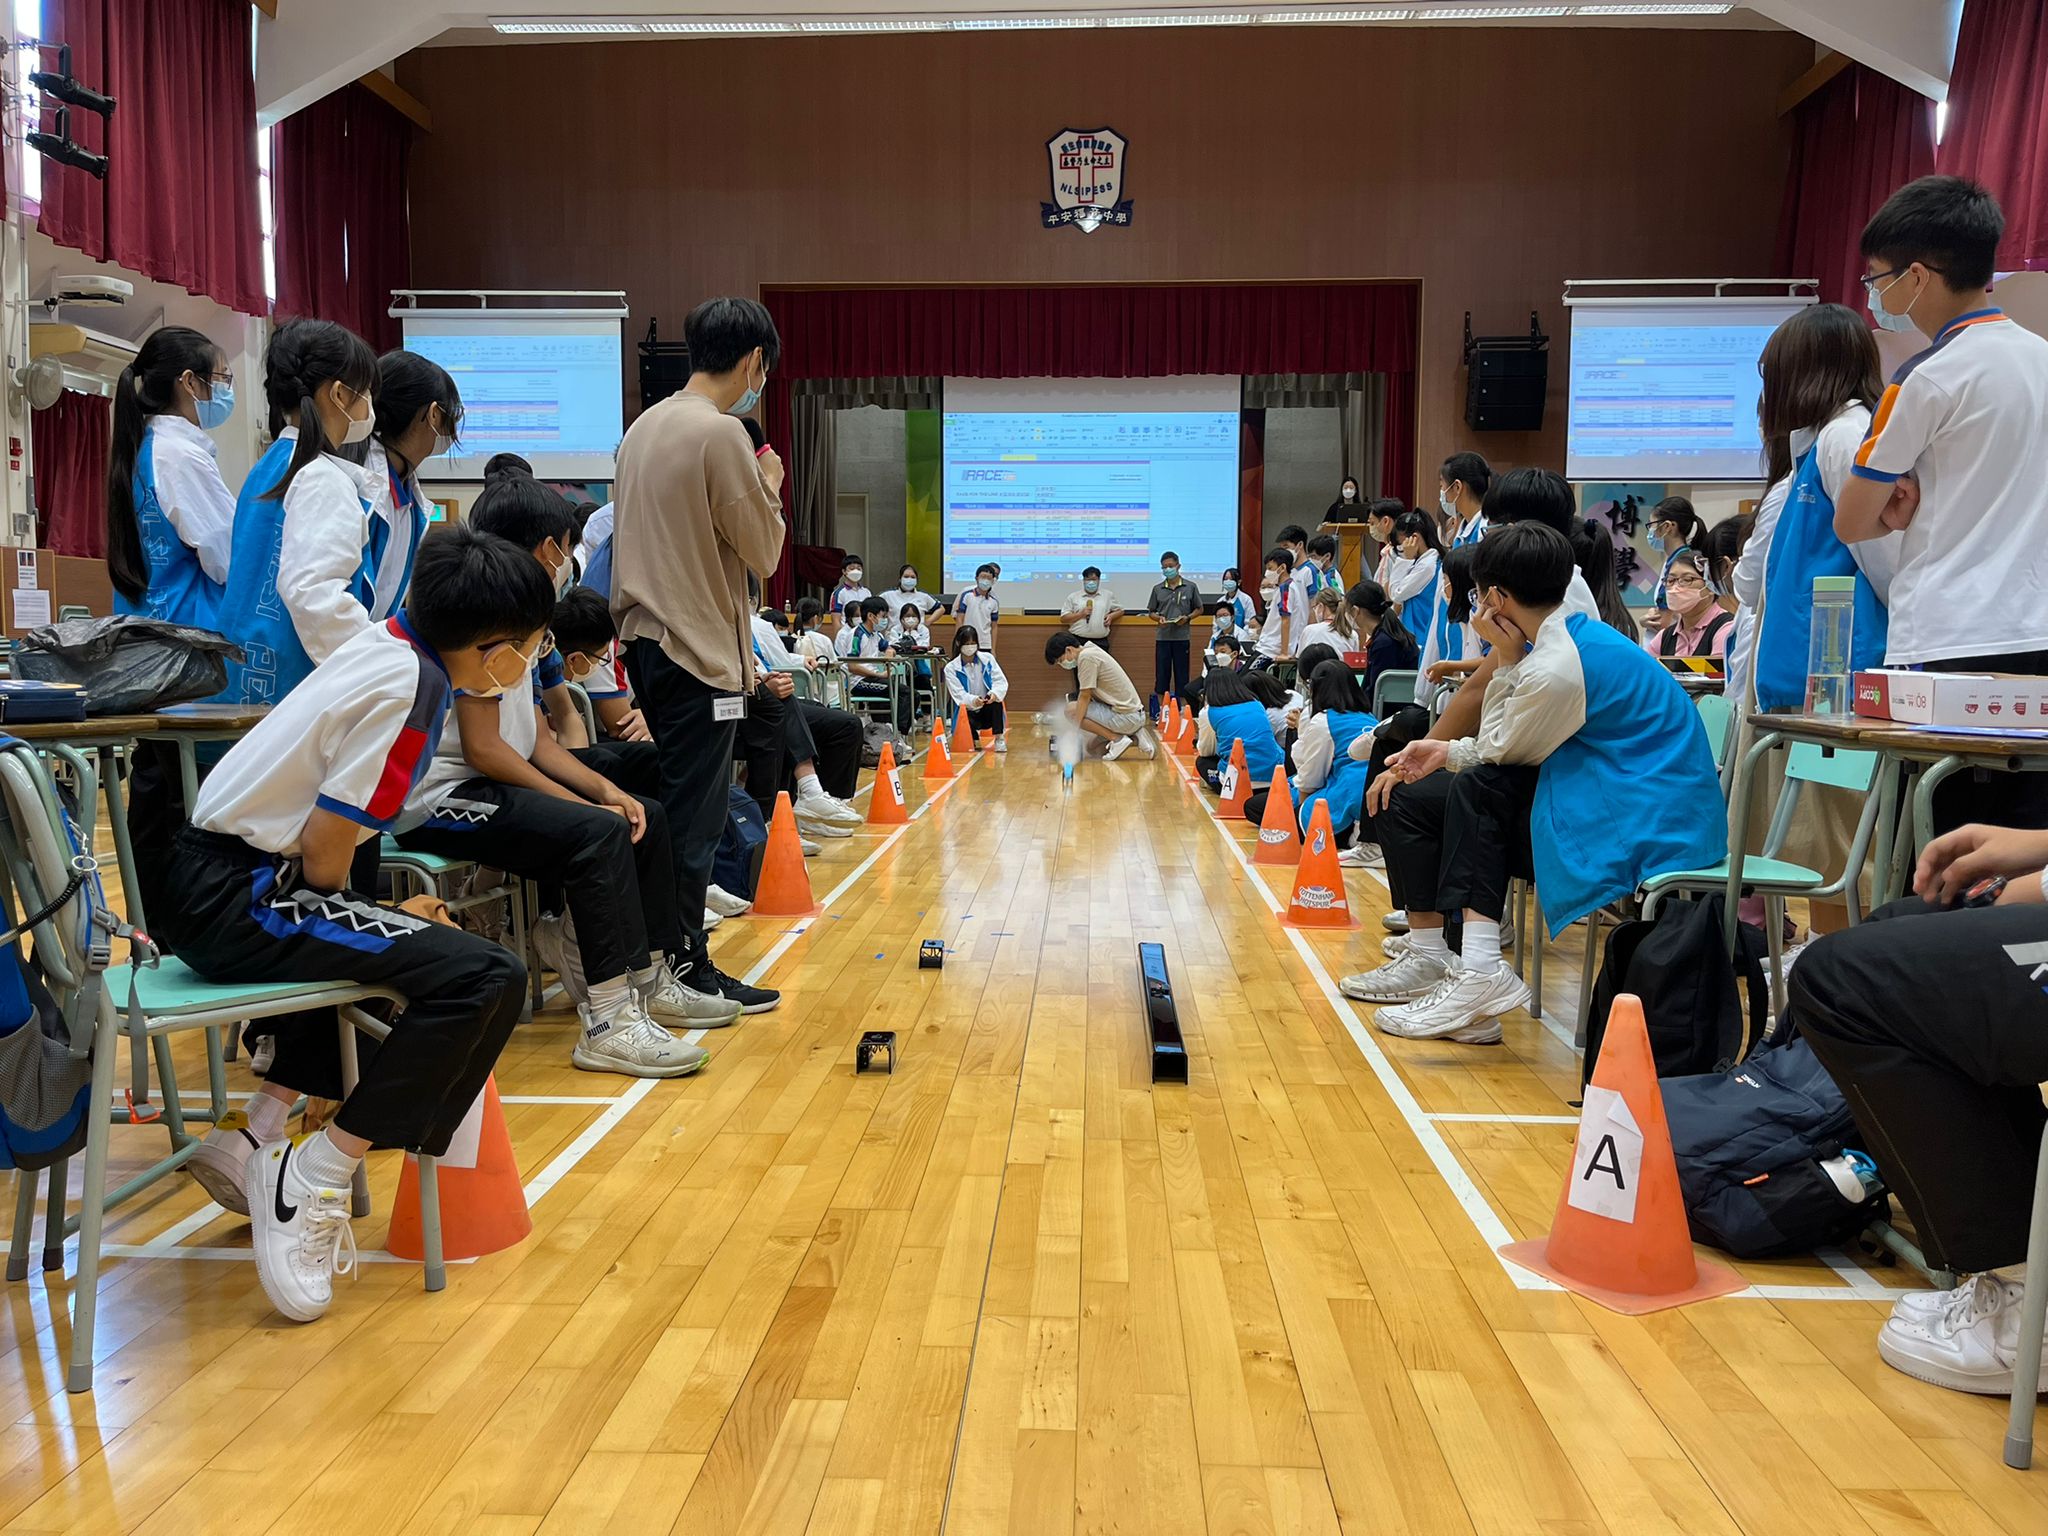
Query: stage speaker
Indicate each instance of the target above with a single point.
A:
(1505, 381)
(664, 367)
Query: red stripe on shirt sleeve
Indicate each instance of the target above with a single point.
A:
(395, 782)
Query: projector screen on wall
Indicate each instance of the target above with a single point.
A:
(548, 389)
(1666, 390)
(1046, 476)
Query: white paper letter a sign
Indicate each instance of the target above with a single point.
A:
(1607, 1163)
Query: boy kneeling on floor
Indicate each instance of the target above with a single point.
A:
(1591, 769)
(262, 868)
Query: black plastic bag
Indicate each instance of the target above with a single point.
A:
(127, 665)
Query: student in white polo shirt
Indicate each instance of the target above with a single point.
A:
(1273, 628)
(1957, 456)
(262, 871)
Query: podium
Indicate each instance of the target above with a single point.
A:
(1353, 543)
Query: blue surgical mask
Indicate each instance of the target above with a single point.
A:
(1229, 587)
(1091, 585)
(747, 401)
(1886, 320)
(1657, 542)
(1443, 500)
(1169, 571)
(214, 413)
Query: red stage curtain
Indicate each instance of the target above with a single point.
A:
(1998, 118)
(1114, 332)
(179, 201)
(343, 240)
(1856, 140)
(1397, 437)
(1251, 499)
(71, 444)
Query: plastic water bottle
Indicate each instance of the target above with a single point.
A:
(1827, 655)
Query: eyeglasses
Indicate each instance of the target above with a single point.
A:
(1679, 583)
(1870, 280)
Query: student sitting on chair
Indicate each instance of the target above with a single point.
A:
(1590, 768)
(1226, 649)
(1376, 620)
(1328, 624)
(587, 638)
(261, 873)
(1932, 1019)
(975, 683)
(869, 637)
(1231, 712)
(1105, 702)
(818, 649)
(796, 743)
(502, 792)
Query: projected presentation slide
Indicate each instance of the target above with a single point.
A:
(1044, 477)
(548, 390)
(1668, 392)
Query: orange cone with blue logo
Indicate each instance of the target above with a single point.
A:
(1279, 843)
(1319, 899)
(938, 760)
(784, 889)
(483, 1202)
(885, 805)
(1620, 1236)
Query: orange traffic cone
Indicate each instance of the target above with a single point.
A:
(1169, 721)
(1319, 899)
(784, 889)
(963, 737)
(938, 761)
(1619, 1237)
(1184, 744)
(1279, 843)
(483, 1203)
(1237, 784)
(885, 808)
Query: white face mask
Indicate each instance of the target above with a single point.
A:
(1350, 493)
(984, 583)
(1443, 500)
(442, 443)
(853, 577)
(358, 431)
(1070, 662)
(969, 651)
(564, 577)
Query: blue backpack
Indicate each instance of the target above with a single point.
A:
(737, 865)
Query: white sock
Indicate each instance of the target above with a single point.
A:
(607, 998)
(267, 1117)
(321, 1162)
(648, 977)
(1429, 941)
(808, 787)
(1482, 946)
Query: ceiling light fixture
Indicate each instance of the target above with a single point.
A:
(1022, 23)
(719, 28)
(1182, 19)
(1311, 17)
(1651, 10)
(569, 28)
(1490, 12)
(881, 24)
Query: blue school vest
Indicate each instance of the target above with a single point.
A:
(1450, 638)
(1247, 723)
(180, 591)
(1803, 546)
(1344, 790)
(1633, 793)
(1419, 612)
(252, 614)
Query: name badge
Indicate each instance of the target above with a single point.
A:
(730, 707)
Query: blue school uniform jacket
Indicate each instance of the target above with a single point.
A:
(1804, 546)
(1344, 790)
(183, 513)
(1247, 723)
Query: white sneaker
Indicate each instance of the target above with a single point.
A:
(1395, 921)
(1117, 748)
(724, 903)
(221, 1165)
(1411, 975)
(1003, 744)
(711, 919)
(826, 807)
(1395, 945)
(554, 940)
(633, 1045)
(1148, 740)
(1969, 1347)
(810, 849)
(672, 1001)
(817, 826)
(1362, 856)
(300, 1232)
(1924, 1306)
(1465, 1006)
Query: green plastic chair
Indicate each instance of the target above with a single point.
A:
(1390, 690)
(38, 861)
(433, 874)
(1718, 716)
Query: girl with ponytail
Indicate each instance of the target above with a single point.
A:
(170, 518)
(419, 416)
(1382, 635)
(306, 577)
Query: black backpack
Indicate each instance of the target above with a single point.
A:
(1750, 1146)
(1705, 1012)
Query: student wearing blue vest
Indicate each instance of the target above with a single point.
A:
(975, 683)
(1413, 569)
(1232, 712)
(1325, 771)
(170, 519)
(300, 554)
(1590, 768)
(1244, 609)
(419, 416)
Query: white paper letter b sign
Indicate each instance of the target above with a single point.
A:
(1607, 1162)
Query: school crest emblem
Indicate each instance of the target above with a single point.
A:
(1087, 167)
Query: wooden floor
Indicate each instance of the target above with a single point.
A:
(1011, 1288)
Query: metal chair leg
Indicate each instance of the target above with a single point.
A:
(1586, 964)
(430, 1224)
(2026, 1370)
(53, 1215)
(351, 1074)
(92, 1214)
(1535, 935)
(24, 1223)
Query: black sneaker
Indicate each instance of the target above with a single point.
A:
(705, 975)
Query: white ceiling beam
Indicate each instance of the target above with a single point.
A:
(1913, 41)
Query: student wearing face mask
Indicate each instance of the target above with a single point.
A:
(1244, 608)
(170, 516)
(1380, 517)
(303, 535)
(1276, 591)
(1090, 608)
(1412, 573)
(419, 415)
(1675, 528)
(975, 683)
(1222, 629)
(852, 586)
(501, 791)
(1699, 625)
(1172, 604)
(1347, 506)
(908, 591)
(978, 607)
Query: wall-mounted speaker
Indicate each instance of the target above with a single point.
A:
(664, 367)
(1506, 378)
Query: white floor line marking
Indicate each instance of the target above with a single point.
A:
(556, 1098)
(596, 1131)
(1468, 1195)
(1504, 1119)
(171, 1236)
(1859, 1278)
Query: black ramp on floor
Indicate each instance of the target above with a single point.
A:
(1169, 1053)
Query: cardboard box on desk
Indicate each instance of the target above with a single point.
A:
(1979, 699)
(41, 583)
